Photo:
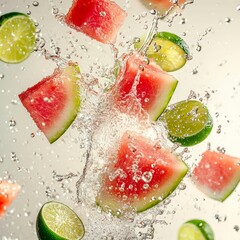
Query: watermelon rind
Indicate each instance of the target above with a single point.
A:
(117, 205)
(69, 79)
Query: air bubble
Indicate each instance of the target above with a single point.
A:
(147, 177)
(1, 76)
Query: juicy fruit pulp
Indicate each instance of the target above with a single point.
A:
(99, 19)
(141, 175)
(195, 229)
(146, 83)
(53, 103)
(57, 221)
(168, 50)
(8, 192)
(17, 37)
(217, 175)
(187, 122)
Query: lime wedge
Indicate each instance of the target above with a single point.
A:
(57, 221)
(195, 230)
(187, 122)
(17, 37)
(168, 50)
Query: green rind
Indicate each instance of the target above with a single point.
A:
(44, 232)
(7, 16)
(117, 211)
(167, 100)
(199, 137)
(204, 227)
(220, 197)
(175, 39)
(77, 103)
(155, 202)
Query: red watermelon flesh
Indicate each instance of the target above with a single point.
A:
(99, 19)
(53, 103)
(162, 5)
(145, 81)
(142, 175)
(8, 192)
(217, 174)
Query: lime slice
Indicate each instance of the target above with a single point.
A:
(17, 37)
(57, 221)
(195, 230)
(187, 122)
(168, 50)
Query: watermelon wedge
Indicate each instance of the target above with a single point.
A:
(145, 81)
(53, 103)
(8, 192)
(161, 5)
(217, 175)
(99, 19)
(141, 175)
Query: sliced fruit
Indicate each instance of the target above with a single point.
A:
(217, 175)
(8, 192)
(146, 82)
(187, 122)
(141, 175)
(168, 50)
(17, 37)
(53, 103)
(99, 19)
(195, 229)
(162, 5)
(57, 221)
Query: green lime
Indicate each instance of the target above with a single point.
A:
(168, 50)
(187, 122)
(195, 230)
(17, 37)
(57, 221)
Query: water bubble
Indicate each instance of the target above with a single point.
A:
(103, 14)
(147, 177)
(1, 159)
(35, 3)
(12, 124)
(236, 228)
(199, 48)
(228, 19)
(183, 21)
(1, 76)
(238, 8)
(14, 157)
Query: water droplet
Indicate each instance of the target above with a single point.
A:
(1, 76)
(236, 228)
(147, 177)
(228, 20)
(103, 14)
(55, 10)
(145, 186)
(238, 8)
(183, 21)
(199, 48)
(12, 123)
(35, 3)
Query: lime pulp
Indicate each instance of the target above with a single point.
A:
(188, 122)
(168, 50)
(195, 230)
(57, 221)
(17, 37)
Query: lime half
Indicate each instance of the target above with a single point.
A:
(17, 37)
(195, 230)
(168, 50)
(187, 122)
(57, 221)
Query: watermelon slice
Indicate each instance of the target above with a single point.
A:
(217, 175)
(142, 175)
(8, 192)
(99, 19)
(53, 103)
(147, 82)
(162, 5)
